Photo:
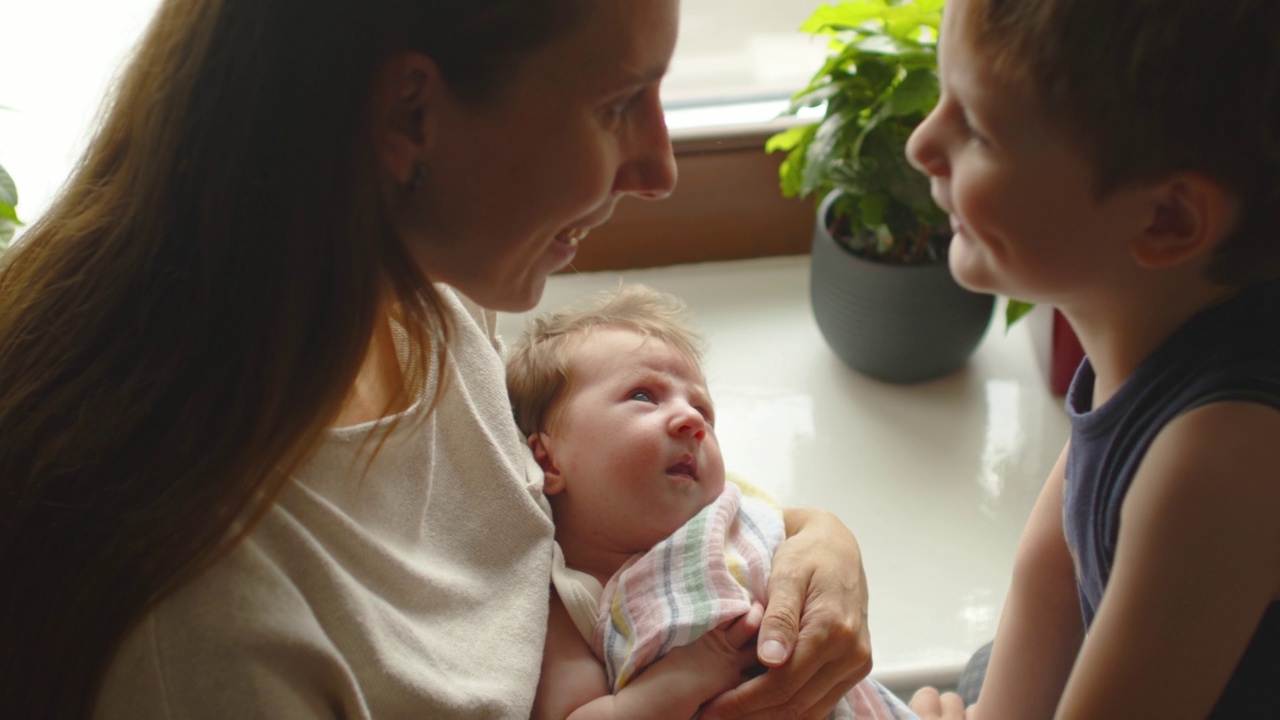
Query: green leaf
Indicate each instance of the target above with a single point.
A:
(812, 97)
(824, 148)
(829, 19)
(1014, 312)
(884, 46)
(791, 172)
(917, 93)
(8, 190)
(789, 139)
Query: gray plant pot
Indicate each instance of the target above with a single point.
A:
(897, 323)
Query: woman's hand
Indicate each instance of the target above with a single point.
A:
(814, 638)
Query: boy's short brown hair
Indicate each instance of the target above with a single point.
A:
(1155, 87)
(538, 362)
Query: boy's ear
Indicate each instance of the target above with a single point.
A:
(553, 481)
(404, 99)
(1191, 215)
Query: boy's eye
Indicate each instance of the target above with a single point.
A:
(641, 395)
(971, 130)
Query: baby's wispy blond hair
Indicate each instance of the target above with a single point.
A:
(538, 361)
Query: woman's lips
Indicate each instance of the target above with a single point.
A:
(572, 236)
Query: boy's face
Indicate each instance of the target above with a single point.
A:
(1026, 219)
(631, 453)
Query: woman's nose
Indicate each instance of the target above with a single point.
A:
(649, 169)
(924, 147)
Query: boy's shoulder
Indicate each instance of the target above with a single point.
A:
(1197, 564)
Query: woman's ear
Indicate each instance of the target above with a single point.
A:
(404, 96)
(553, 481)
(1191, 215)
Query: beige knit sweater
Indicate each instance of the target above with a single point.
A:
(419, 591)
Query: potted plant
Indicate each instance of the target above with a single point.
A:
(882, 294)
(9, 221)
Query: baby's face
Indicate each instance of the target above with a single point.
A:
(632, 445)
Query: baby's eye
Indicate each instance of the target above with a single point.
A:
(641, 395)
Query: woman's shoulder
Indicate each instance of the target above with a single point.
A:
(238, 641)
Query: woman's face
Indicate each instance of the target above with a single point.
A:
(514, 182)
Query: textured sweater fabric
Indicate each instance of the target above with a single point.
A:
(411, 587)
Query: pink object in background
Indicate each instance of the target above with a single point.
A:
(1057, 349)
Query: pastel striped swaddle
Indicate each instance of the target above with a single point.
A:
(707, 573)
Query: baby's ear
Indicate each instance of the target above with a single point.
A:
(553, 482)
(1192, 214)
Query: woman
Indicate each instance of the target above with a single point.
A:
(258, 459)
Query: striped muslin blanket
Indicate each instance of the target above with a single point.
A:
(706, 574)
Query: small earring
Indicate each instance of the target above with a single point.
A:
(418, 177)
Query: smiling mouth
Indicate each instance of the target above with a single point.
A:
(687, 467)
(572, 236)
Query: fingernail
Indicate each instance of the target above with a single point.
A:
(773, 651)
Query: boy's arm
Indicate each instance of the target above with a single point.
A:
(678, 683)
(1197, 562)
(1041, 627)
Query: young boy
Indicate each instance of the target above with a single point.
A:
(1120, 160)
(661, 565)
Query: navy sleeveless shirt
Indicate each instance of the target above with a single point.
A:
(1228, 352)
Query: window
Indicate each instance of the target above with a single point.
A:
(738, 61)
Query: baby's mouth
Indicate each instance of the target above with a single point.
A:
(687, 467)
(572, 236)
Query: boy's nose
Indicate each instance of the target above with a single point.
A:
(924, 148)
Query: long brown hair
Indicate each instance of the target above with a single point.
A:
(183, 324)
